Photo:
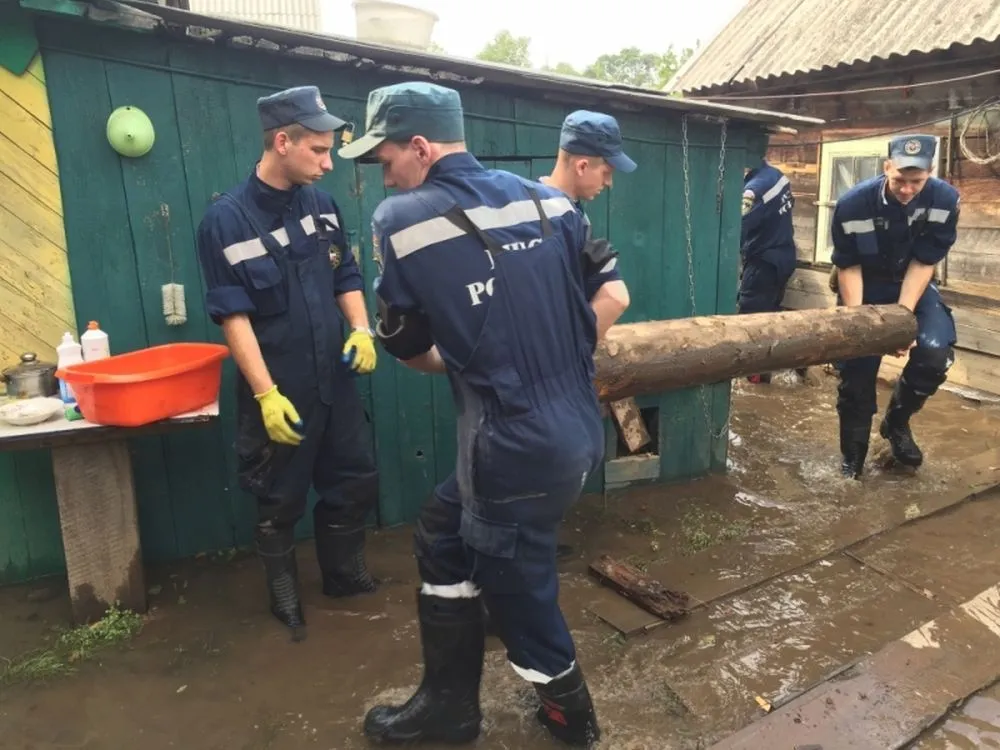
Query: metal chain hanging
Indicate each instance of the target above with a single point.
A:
(689, 246)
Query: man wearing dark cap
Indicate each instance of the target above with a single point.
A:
(282, 282)
(591, 150)
(485, 278)
(889, 233)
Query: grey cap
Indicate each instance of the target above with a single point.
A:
(595, 134)
(302, 105)
(907, 151)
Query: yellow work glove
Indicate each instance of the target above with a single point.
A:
(359, 351)
(281, 421)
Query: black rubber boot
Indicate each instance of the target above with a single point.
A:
(895, 426)
(340, 550)
(567, 710)
(445, 707)
(276, 548)
(853, 447)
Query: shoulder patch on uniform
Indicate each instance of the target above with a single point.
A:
(748, 201)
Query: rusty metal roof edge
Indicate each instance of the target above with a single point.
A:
(485, 71)
(744, 86)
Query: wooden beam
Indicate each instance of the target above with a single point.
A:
(631, 583)
(628, 417)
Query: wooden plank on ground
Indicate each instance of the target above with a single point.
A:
(888, 699)
(621, 614)
(633, 584)
(629, 420)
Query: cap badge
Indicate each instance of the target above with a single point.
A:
(911, 147)
(319, 102)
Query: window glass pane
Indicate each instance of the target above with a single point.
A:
(843, 176)
(866, 167)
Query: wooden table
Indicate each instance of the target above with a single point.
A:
(97, 506)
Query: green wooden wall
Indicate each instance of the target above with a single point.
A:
(201, 100)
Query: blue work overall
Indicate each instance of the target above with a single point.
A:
(529, 434)
(300, 331)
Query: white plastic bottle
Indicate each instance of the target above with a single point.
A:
(70, 353)
(95, 343)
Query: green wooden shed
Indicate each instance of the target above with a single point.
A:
(130, 227)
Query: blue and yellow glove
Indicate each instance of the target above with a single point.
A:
(281, 421)
(359, 351)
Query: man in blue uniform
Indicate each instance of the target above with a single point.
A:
(591, 150)
(281, 282)
(484, 277)
(767, 245)
(889, 232)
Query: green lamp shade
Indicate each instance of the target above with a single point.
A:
(130, 131)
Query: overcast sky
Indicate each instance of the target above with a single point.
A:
(573, 31)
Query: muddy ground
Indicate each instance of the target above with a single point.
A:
(761, 551)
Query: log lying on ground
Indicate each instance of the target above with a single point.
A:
(662, 355)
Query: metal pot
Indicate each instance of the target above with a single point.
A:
(31, 378)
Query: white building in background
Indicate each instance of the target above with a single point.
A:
(304, 15)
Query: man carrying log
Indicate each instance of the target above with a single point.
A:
(471, 261)
(590, 152)
(889, 232)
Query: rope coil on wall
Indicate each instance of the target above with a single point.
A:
(982, 114)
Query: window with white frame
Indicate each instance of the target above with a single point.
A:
(843, 164)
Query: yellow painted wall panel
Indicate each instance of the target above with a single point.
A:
(31, 135)
(29, 173)
(23, 239)
(37, 69)
(24, 204)
(32, 280)
(36, 302)
(29, 92)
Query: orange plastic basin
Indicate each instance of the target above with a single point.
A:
(147, 385)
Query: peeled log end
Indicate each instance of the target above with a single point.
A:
(656, 356)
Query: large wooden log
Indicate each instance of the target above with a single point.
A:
(662, 355)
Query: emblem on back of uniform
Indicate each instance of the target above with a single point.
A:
(911, 147)
(319, 102)
(334, 256)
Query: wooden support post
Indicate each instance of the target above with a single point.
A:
(100, 529)
(628, 417)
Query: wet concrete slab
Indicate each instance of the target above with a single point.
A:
(783, 637)
(952, 559)
(972, 726)
(887, 700)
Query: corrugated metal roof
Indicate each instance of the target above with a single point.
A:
(771, 38)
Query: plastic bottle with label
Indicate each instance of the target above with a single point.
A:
(70, 353)
(95, 343)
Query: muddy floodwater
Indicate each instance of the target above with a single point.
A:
(794, 571)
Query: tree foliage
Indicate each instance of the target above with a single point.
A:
(509, 49)
(633, 67)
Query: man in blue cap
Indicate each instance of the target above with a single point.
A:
(591, 150)
(889, 233)
(485, 278)
(767, 243)
(281, 282)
